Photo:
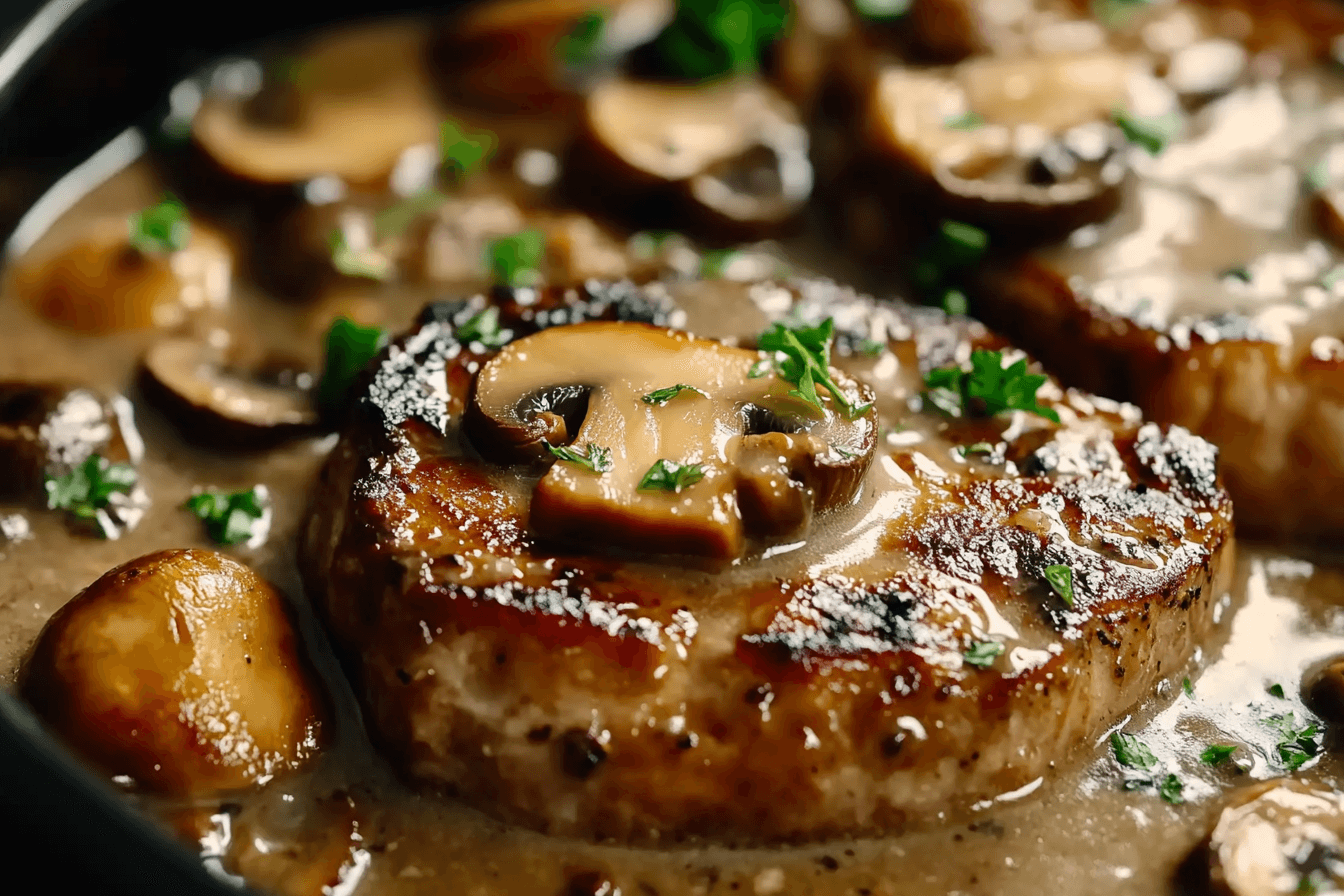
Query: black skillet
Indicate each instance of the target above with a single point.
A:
(73, 75)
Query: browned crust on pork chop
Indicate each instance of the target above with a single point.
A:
(819, 691)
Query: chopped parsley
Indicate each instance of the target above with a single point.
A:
(483, 327)
(670, 476)
(956, 247)
(1152, 134)
(229, 517)
(349, 349)
(982, 653)
(1217, 754)
(89, 487)
(393, 220)
(1060, 578)
(1275, 690)
(954, 302)
(977, 448)
(1241, 272)
(663, 396)
(163, 227)
(516, 260)
(872, 348)
(1318, 175)
(461, 152)
(367, 263)
(583, 44)
(882, 10)
(802, 356)
(1132, 752)
(597, 459)
(963, 244)
(1187, 687)
(967, 121)
(1332, 276)
(1296, 744)
(1170, 790)
(716, 38)
(987, 388)
(714, 262)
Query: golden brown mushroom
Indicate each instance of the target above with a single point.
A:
(1279, 837)
(181, 671)
(766, 461)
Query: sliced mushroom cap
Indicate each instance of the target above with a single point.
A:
(729, 157)
(1039, 160)
(218, 400)
(100, 283)
(51, 428)
(1280, 837)
(769, 461)
(510, 56)
(358, 99)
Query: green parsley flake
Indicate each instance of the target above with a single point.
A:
(597, 459)
(967, 121)
(349, 349)
(1132, 752)
(483, 327)
(583, 44)
(802, 356)
(882, 10)
(1170, 790)
(516, 260)
(1152, 134)
(1188, 687)
(987, 389)
(670, 476)
(663, 396)
(1317, 176)
(163, 227)
(714, 262)
(955, 302)
(713, 38)
(982, 653)
(88, 488)
(1217, 754)
(1275, 690)
(962, 244)
(393, 220)
(1060, 578)
(872, 348)
(1296, 745)
(369, 263)
(1332, 276)
(1241, 272)
(977, 448)
(461, 152)
(232, 517)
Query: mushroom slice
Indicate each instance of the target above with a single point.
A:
(51, 428)
(217, 399)
(100, 283)
(766, 460)
(730, 156)
(1279, 837)
(1020, 146)
(359, 98)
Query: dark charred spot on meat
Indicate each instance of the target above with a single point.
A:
(590, 883)
(688, 741)
(540, 734)
(1180, 459)
(580, 754)
(892, 745)
(403, 676)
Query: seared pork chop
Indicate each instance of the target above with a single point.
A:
(905, 655)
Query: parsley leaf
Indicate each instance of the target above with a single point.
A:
(393, 220)
(598, 459)
(802, 356)
(1275, 690)
(714, 262)
(230, 518)
(1240, 272)
(483, 327)
(1060, 578)
(988, 388)
(349, 349)
(367, 263)
(583, 44)
(163, 227)
(1132, 752)
(1151, 134)
(713, 38)
(516, 260)
(982, 653)
(89, 487)
(871, 348)
(1187, 687)
(967, 121)
(461, 152)
(663, 396)
(977, 448)
(1217, 754)
(1296, 745)
(670, 476)
(882, 10)
(1332, 276)
(1170, 790)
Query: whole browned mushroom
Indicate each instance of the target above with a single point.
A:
(217, 399)
(1021, 147)
(1278, 837)
(730, 159)
(629, 397)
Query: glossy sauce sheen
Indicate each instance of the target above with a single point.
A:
(1074, 830)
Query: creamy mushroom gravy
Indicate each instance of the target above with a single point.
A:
(348, 818)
